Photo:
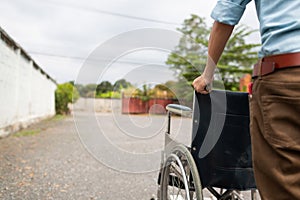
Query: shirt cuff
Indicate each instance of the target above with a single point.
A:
(228, 12)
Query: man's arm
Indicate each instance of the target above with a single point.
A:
(219, 36)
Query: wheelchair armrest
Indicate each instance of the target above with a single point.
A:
(179, 109)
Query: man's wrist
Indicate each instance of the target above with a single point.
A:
(208, 76)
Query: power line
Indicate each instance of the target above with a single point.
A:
(91, 59)
(95, 10)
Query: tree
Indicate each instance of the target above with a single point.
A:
(64, 94)
(86, 90)
(121, 84)
(162, 91)
(237, 58)
(189, 57)
(104, 87)
(145, 93)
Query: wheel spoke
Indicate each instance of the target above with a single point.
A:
(176, 170)
(178, 181)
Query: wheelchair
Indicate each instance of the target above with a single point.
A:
(219, 160)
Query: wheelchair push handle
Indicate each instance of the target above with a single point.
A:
(179, 110)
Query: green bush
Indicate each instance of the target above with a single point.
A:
(109, 95)
(64, 94)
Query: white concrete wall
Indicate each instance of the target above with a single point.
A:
(97, 105)
(26, 93)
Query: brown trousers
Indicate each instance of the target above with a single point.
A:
(275, 134)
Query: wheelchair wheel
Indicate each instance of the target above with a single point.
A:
(180, 178)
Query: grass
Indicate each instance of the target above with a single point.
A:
(36, 130)
(58, 117)
(27, 133)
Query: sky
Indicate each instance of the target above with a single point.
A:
(66, 37)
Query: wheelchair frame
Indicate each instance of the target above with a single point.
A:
(179, 177)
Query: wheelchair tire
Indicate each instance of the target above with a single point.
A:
(180, 178)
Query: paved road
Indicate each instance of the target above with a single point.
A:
(103, 156)
(54, 164)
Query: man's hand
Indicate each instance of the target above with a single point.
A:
(201, 84)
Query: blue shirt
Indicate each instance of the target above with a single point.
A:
(279, 22)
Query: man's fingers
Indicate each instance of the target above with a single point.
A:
(200, 85)
(200, 90)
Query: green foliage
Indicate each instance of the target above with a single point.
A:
(130, 92)
(86, 90)
(103, 90)
(188, 59)
(106, 90)
(27, 132)
(121, 84)
(237, 58)
(182, 91)
(162, 91)
(57, 117)
(145, 93)
(65, 93)
(109, 94)
(104, 87)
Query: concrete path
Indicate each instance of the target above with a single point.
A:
(52, 163)
(57, 159)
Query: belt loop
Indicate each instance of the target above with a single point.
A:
(260, 68)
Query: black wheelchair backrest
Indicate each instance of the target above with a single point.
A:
(221, 144)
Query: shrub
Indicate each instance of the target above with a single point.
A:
(64, 94)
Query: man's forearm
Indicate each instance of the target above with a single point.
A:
(219, 36)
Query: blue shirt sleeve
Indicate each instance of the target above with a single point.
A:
(229, 11)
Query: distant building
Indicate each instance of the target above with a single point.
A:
(27, 93)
